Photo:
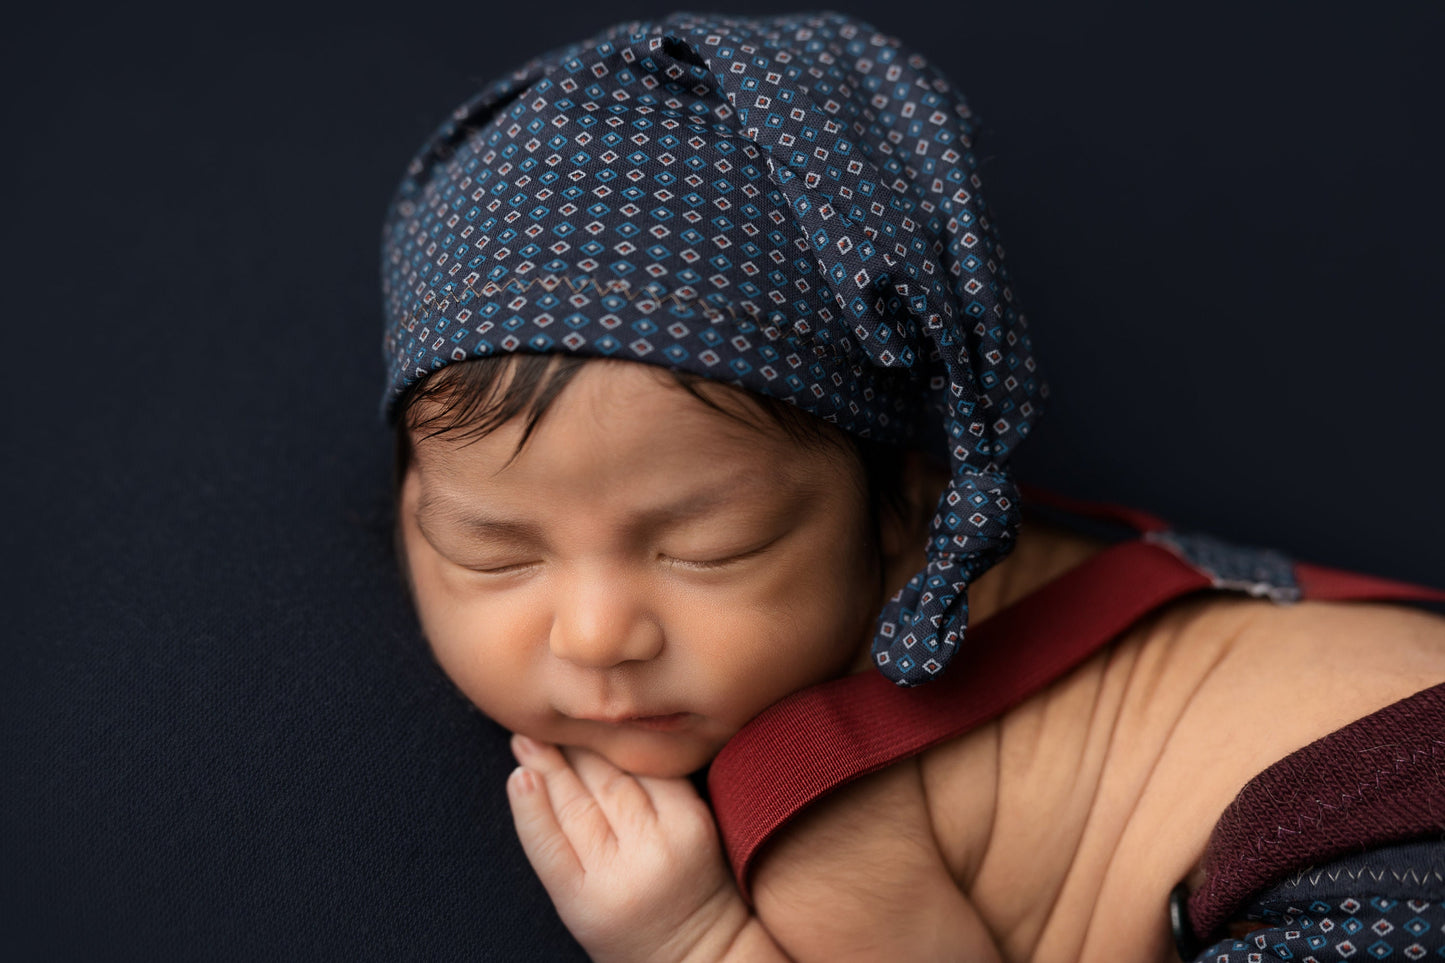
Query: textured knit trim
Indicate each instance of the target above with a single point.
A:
(1379, 780)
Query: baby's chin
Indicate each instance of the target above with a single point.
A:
(659, 755)
(661, 765)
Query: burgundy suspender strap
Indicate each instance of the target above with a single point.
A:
(1330, 584)
(818, 739)
(1137, 519)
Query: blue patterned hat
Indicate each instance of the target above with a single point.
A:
(786, 204)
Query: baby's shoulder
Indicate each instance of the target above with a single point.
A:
(1301, 671)
(1360, 633)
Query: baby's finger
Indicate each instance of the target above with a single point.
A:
(672, 795)
(543, 840)
(618, 792)
(573, 805)
(677, 806)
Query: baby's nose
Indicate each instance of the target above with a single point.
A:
(601, 623)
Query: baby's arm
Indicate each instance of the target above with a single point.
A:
(860, 876)
(632, 863)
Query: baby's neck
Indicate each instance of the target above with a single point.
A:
(1041, 554)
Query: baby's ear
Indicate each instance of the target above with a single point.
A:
(903, 526)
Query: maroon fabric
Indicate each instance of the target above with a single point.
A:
(1318, 582)
(1380, 779)
(1137, 519)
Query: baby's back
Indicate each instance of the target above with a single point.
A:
(1057, 831)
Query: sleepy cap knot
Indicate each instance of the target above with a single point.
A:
(922, 625)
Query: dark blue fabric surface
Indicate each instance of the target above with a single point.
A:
(1380, 905)
(221, 737)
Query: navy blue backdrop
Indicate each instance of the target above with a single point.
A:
(222, 738)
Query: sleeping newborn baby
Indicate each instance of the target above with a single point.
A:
(706, 372)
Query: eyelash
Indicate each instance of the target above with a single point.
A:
(506, 569)
(715, 563)
(703, 565)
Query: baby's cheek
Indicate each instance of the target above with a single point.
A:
(831, 610)
(489, 649)
(764, 651)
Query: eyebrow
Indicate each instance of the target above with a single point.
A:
(688, 506)
(431, 506)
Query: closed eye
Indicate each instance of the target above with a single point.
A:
(512, 568)
(703, 565)
(708, 564)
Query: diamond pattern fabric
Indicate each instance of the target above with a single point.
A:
(1388, 904)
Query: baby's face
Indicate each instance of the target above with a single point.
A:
(645, 576)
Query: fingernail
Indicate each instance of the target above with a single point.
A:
(521, 745)
(520, 780)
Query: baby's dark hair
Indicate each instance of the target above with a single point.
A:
(471, 399)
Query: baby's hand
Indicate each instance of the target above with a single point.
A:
(632, 863)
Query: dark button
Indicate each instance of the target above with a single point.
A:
(1184, 939)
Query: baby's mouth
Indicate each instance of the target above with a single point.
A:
(669, 722)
